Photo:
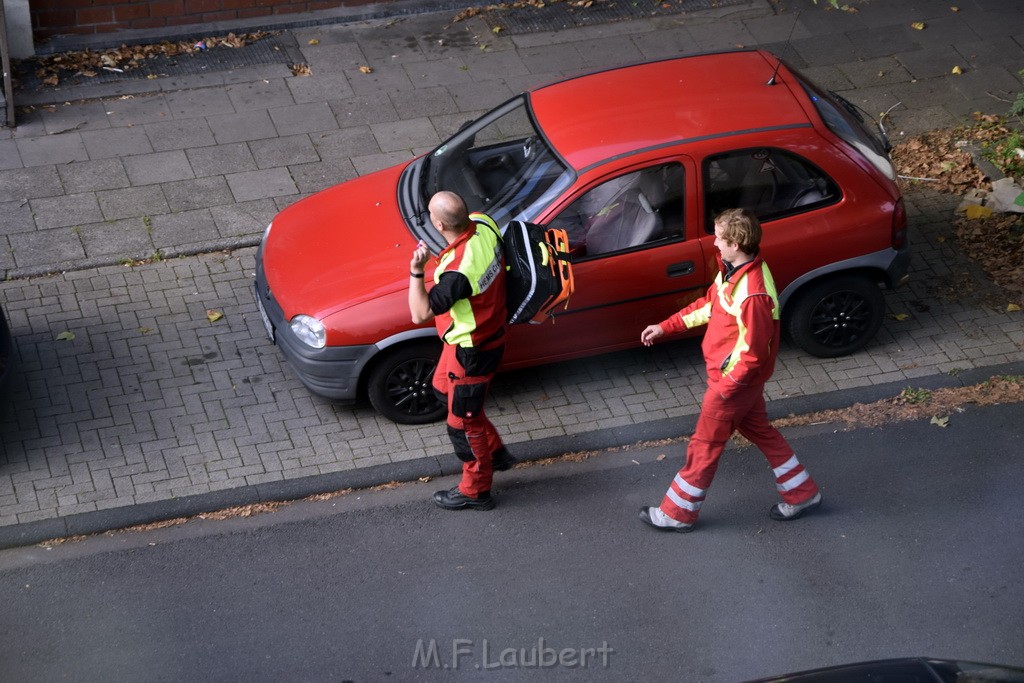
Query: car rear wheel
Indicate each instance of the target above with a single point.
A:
(836, 317)
(399, 384)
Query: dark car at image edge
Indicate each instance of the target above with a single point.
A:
(6, 351)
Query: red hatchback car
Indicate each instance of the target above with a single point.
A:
(634, 163)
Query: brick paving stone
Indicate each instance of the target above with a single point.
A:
(253, 185)
(284, 151)
(197, 103)
(259, 95)
(116, 142)
(311, 117)
(221, 159)
(242, 127)
(159, 167)
(172, 135)
(135, 111)
(9, 155)
(199, 193)
(127, 238)
(58, 149)
(18, 185)
(390, 78)
(46, 247)
(305, 90)
(404, 135)
(17, 217)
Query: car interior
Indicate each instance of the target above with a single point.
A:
(769, 182)
(628, 211)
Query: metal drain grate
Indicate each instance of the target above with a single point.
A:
(269, 50)
(561, 15)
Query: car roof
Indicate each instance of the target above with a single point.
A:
(599, 116)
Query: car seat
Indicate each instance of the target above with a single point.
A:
(631, 217)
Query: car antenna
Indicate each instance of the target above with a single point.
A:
(775, 71)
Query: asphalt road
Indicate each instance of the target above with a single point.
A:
(916, 551)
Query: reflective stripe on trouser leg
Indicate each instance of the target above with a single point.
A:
(683, 500)
(793, 482)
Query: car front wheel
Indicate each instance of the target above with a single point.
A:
(399, 384)
(836, 317)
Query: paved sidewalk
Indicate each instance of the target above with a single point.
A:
(151, 410)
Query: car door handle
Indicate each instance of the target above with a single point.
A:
(680, 269)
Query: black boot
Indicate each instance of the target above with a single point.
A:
(454, 499)
(502, 460)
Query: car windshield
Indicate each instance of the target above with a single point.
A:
(846, 121)
(500, 164)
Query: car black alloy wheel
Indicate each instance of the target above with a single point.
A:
(399, 385)
(836, 317)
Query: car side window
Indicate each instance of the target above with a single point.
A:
(770, 182)
(625, 212)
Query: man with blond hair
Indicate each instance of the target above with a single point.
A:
(741, 310)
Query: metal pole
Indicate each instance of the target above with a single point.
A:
(5, 62)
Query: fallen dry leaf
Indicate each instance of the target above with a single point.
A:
(917, 26)
(957, 71)
(313, 41)
(65, 336)
(213, 316)
(976, 211)
(940, 421)
(1012, 308)
(365, 69)
(301, 70)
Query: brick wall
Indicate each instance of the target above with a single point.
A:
(60, 17)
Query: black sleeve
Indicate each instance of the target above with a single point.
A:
(452, 287)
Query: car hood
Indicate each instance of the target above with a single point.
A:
(341, 247)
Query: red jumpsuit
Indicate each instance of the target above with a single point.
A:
(740, 347)
(468, 302)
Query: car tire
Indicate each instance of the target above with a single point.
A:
(399, 384)
(837, 316)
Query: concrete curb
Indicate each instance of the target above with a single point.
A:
(295, 489)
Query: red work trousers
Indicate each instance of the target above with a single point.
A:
(744, 412)
(473, 436)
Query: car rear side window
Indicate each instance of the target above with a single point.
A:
(628, 211)
(846, 121)
(770, 182)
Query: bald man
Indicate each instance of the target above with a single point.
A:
(467, 304)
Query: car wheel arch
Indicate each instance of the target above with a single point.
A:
(396, 379)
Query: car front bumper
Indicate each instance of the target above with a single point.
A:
(333, 371)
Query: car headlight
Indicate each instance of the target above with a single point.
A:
(310, 331)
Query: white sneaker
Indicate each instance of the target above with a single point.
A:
(655, 517)
(784, 512)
